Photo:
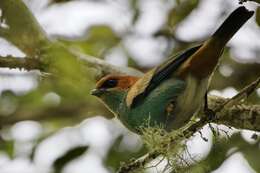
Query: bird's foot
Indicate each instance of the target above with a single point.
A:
(210, 114)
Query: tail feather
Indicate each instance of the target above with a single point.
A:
(202, 63)
(232, 24)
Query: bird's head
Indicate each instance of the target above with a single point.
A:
(111, 89)
(112, 84)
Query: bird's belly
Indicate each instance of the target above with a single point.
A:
(189, 102)
(144, 115)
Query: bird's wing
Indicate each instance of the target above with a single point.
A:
(199, 61)
(155, 76)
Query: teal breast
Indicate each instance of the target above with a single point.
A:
(152, 110)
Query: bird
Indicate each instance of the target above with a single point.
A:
(167, 96)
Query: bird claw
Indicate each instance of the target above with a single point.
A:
(210, 114)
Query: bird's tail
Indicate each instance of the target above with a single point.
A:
(231, 25)
(202, 63)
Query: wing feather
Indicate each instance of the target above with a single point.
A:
(155, 76)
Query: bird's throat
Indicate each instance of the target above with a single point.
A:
(113, 100)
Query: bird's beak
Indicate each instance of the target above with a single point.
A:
(96, 92)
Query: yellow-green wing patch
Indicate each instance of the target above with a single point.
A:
(139, 87)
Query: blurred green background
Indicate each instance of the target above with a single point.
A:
(50, 123)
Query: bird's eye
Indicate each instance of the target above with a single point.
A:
(111, 83)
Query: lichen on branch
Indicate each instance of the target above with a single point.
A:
(46, 55)
(236, 114)
(21, 63)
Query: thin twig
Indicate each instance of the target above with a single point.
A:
(103, 66)
(244, 93)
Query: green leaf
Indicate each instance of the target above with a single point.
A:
(7, 146)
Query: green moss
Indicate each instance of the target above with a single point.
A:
(170, 146)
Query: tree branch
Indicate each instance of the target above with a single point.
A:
(238, 115)
(103, 67)
(233, 112)
(47, 113)
(27, 35)
(22, 30)
(25, 63)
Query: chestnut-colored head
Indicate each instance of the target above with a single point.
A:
(112, 90)
(113, 83)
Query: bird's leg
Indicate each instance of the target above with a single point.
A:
(211, 115)
(208, 112)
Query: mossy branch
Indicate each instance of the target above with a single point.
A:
(229, 112)
(21, 28)
(21, 63)
(103, 68)
(24, 31)
(234, 112)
